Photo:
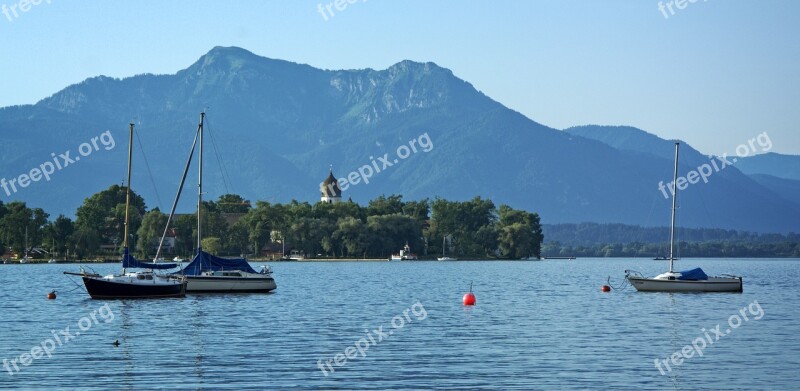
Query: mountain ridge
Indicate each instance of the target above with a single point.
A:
(278, 126)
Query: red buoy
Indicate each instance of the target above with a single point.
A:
(51, 295)
(605, 288)
(469, 298)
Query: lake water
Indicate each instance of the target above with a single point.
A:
(536, 325)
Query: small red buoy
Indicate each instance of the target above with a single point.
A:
(605, 288)
(469, 298)
(51, 295)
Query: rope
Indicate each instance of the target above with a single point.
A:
(78, 286)
(149, 172)
(625, 283)
(223, 170)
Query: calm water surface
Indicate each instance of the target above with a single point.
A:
(536, 325)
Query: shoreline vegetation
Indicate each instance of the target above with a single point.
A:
(346, 231)
(234, 227)
(318, 260)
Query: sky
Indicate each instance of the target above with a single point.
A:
(715, 73)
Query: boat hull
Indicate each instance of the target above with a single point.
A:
(101, 288)
(216, 284)
(713, 284)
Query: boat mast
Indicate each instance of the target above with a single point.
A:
(444, 239)
(127, 197)
(200, 185)
(674, 199)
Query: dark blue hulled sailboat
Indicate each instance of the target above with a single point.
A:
(133, 285)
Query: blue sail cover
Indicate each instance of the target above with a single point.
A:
(128, 261)
(694, 274)
(204, 262)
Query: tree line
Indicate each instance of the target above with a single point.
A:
(474, 228)
(591, 234)
(621, 240)
(715, 248)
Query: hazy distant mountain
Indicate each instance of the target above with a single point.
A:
(276, 126)
(786, 188)
(775, 164)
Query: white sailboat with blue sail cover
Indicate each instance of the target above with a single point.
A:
(694, 280)
(208, 273)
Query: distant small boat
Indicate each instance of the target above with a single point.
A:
(296, 255)
(52, 260)
(6, 262)
(444, 257)
(566, 258)
(25, 258)
(405, 255)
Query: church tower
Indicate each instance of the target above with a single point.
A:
(331, 193)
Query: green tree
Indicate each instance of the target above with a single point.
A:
(101, 218)
(516, 241)
(237, 239)
(185, 234)
(17, 219)
(58, 234)
(385, 205)
(211, 244)
(351, 235)
(520, 233)
(387, 234)
(233, 203)
(150, 231)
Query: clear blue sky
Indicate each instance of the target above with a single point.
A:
(715, 73)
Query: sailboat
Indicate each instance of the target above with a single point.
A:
(444, 257)
(25, 257)
(132, 285)
(694, 280)
(207, 273)
(52, 249)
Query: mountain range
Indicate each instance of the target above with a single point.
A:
(275, 128)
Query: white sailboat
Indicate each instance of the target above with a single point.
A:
(25, 257)
(694, 280)
(52, 250)
(208, 273)
(444, 257)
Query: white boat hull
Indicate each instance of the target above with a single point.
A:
(209, 284)
(713, 284)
